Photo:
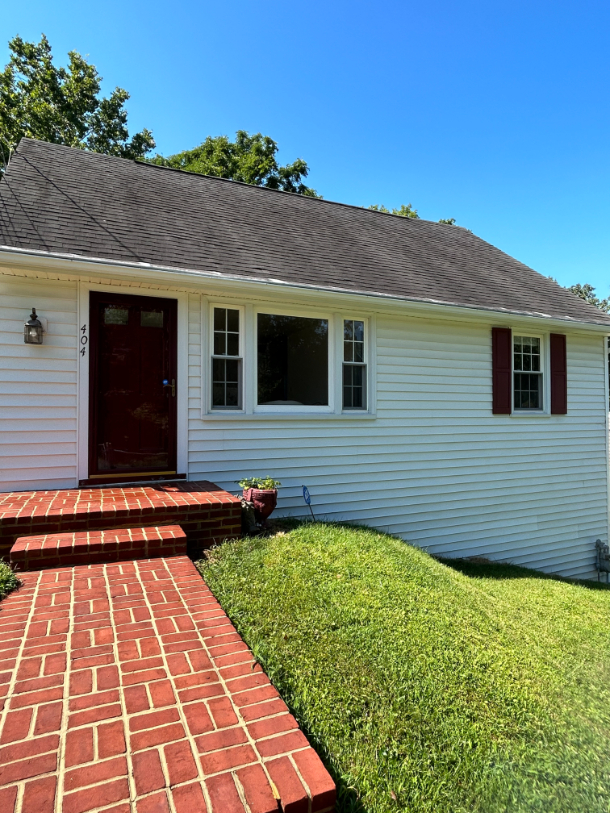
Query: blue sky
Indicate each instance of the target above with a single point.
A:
(496, 114)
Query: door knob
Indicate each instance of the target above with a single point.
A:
(166, 383)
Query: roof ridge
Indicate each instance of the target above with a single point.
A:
(144, 162)
(284, 192)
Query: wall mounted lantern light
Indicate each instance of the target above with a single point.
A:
(32, 329)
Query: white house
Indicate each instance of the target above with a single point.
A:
(414, 377)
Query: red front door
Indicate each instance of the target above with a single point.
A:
(132, 401)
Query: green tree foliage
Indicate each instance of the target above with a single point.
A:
(403, 211)
(250, 159)
(62, 105)
(587, 292)
(407, 211)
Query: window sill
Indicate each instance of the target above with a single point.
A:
(289, 416)
(530, 413)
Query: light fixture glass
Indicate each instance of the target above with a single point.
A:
(32, 329)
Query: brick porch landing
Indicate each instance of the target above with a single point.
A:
(206, 513)
(125, 688)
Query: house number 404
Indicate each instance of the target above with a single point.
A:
(83, 340)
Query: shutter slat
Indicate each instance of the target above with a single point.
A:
(559, 375)
(502, 368)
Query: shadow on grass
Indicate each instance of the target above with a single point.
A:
(348, 800)
(490, 570)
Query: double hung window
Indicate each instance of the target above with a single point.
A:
(354, 365)
(527, 372)
(226, 359)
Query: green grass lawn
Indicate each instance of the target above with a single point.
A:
(426, 687)
(8, 580)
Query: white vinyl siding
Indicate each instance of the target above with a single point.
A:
(429, 462)
(38, 385)
(436, 467)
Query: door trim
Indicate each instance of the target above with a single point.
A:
(85, 288)
(93, 344)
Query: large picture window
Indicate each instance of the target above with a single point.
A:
(292, 355)
(226, 360)
(527, 372)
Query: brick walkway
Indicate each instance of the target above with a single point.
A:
(126, 689)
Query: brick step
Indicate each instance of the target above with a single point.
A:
(97, 547)
(207, 514)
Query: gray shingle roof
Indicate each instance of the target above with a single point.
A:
(68, 201)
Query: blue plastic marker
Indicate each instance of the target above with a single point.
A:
(307, 498)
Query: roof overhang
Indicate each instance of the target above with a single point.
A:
(56, 262)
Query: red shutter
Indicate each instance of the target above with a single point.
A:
(502, 368)
(559, 375)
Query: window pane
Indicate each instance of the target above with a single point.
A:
(353, 340)
(116, 315)
(232, 397)
(151, 318)
(226, 383)
(528, 391)
(232, 344)
(354, 386)
(233, 321)
(526, 354)
(348, 400)
(292, 360)
(226, 332)
(218, 370)
(517, 361)
(232, 371)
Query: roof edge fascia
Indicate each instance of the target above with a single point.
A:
(56, 261)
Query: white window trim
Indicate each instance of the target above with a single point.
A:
(545, 365)
(302, 409)
(249, 356)
(209, 355)
(368, 331)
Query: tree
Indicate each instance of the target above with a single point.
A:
(250, 159)
(587, 292)
(407, 211)
(402, 211)
(62, 105)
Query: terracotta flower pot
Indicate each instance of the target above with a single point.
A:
(264, 501)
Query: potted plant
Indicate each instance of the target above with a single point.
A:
(262, 493)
